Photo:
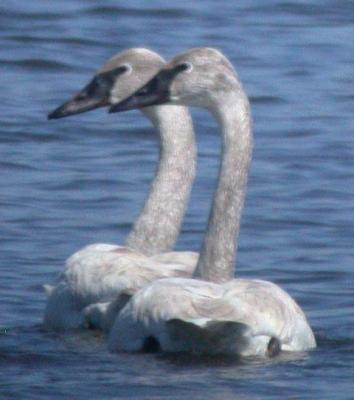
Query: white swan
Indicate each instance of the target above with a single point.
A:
(218, 314)
(99, 272)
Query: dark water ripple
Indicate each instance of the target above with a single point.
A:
(64, 184)
(36, 63)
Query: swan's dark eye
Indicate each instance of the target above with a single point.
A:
(186, 66)
(102, 83)
(108, 78)
(125, 68)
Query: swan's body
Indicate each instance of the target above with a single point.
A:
(240, 317)
(99, 273)
(218, 314)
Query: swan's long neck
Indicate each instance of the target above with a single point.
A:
(157, 227)
(218, 253)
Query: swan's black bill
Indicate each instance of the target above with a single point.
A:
(94, 95)
(77, 105)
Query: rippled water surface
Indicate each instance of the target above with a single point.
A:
(71, 182)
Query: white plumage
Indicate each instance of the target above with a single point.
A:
(237, 317)
(99, 273)
(220, 314)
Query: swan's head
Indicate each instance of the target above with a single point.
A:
(199, 77)
(117, 79)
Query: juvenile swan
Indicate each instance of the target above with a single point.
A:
(98, 273)
(216, 313)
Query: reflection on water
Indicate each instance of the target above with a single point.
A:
(72, 182)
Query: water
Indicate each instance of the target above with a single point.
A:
(71, 182)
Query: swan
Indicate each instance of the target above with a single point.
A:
(213, 313)
(96, 274)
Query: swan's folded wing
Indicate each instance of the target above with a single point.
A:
(186, 260)
(98, 272)
(171, 298)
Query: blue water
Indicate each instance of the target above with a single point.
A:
(68, 183)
